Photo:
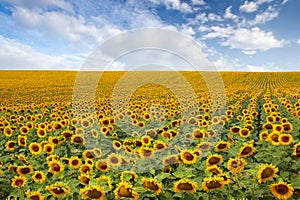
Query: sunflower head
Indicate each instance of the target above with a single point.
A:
(212, 183)
(246, 151)
(266, 172)
(125, 190)
(39, 176)
(282, 190)
(214, 160)
(188, 157)
(58, 189)
(92, 192)
(185, 185)
(18, 181)
(152, 185)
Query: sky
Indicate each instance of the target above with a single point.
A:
(235, 35)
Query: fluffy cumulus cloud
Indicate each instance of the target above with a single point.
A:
(252, 6)
(252, 40)
(59, 24)
(15, 55)
(177, 5)
(229, 15)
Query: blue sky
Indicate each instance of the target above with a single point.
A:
(237, 35)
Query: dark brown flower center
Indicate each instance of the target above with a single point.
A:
(222, 146)
(188, 156)
(281, 189)
(185, 186)
(58, 190)
(94, 194)
(25, 170)
(75, 162)
(214, 160)
(213, 185)
(246, 150)
(267, 173)
(56, 167)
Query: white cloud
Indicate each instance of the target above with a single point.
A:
(214, 17)
(264, 17)
(15, 55)
(252, 6)
(198, 2)
(284, 2)
(187, 30)
(174, 5)
(249, 7)
(229, 15)
(253, 68)
(219, 32)
(57, 24)
(298, 41)
(33, 4)
(250, 40)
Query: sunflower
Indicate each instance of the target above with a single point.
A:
(188, 157)
(48, 148)
(246, 151)
(222, 146)
(225, 177)
(125, 190)
(84, 179)
(146, 140)
(88, 154)
(24, 130)
(74, 162)
(34, 195)
(23, 159)
(114, 160)
(263, 136)
(39, 176)
(170, 160)
(296, 151)
(22, 140)
(35, 148)
(146, 152)
(266, 172)
(24, 170)
(85, 123)
(95, 133)
(58, 189)
(128, 176)
(55, 167)
(282, 190)
(198, 134)
(236, 165)
(51, 158)
(77, 139)
(214, 160)
(268, 126)
(89, 161)
(117, 145)
(287, 127)
(53, 140)
(41, 133)
(277, 127)
(185, 185)
(92, 192)
(274, 138)
(215, 170)
(97, 152)
(10, 145)
(102, 165)
(18, 181)
(86, 169)
(8, 131)
(285, 139)
(244, 132)
(235, 129)
(159, 145)
(212, 183)
(152, 184)
(204, 146)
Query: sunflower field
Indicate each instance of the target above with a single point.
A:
(156, 141)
